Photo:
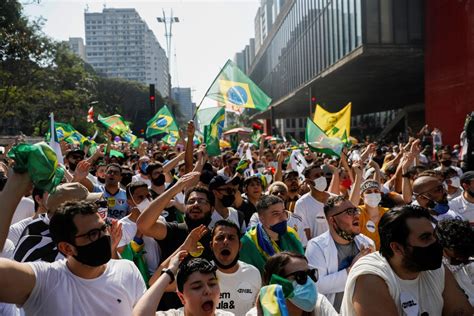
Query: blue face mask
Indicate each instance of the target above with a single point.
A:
(280, 228)
(143, 167)
(304, 296)
(439, 208)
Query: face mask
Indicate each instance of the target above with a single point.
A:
(96, 253)
(143, 205)
(372, 199)
(159, 181)
(346, 183)
(320, 184)
(471, 193)
(455, 182)
(269, 178)
(280, 228)
(343, 234)
(446, 163)
(143, 167)
(226, 266)
(424, 258)
(439, 208)
(101, 180)
(227, 200)
(304, 296)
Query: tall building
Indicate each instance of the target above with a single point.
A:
(76, 44)
(119, 44)
(183, 97)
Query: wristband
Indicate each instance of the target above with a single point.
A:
(170, 273)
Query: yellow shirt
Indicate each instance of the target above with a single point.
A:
(368, 227)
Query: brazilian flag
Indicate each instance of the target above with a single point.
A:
(318, 141)
(162, 123)
(213, 132)
(116, 124)
(233, 87)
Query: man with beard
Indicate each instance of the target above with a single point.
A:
(336, 251)
(430, 194)
(406, 276)
(224, 190)
(464, 204)
(271, 235)
(73, 157)
(290, 178)
(239, 282)
(88, 282)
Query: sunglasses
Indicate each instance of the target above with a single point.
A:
(352, 211)
(229, 191)
(301, 277)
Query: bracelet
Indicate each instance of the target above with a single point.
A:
(170, 273)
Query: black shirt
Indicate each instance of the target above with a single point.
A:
(248, 209)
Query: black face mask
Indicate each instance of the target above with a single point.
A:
(227, 200)
(72, 166)
(159, 181)
(226, 266)
(424, 258)
(470, 193)
(193, 223)
(96, 253)
(101, 180)
(447, 163)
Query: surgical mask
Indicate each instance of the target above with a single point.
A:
(143, 167)
(372, 199)
(143, 205)
(424, 258)
(320, 184)
(280, 228)
(439, 208)
(96, 253)
(304, 296)
(455, 182)
(227, 200)
(159, 181)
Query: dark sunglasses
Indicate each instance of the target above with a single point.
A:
(352, 211)
(301, 277)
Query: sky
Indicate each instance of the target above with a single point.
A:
(209, 32)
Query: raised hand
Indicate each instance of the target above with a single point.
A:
(82, 170)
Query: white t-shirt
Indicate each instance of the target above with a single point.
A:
(17, 229)
(464, 275)
(152, 252)
(58, 291)
(458, 170)
(25, 209)
(138, 177)
(180, 312)
(239, 290)
(233, 217)
(312, 215)
(463, 207)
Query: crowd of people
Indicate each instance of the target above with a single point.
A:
(384, 229)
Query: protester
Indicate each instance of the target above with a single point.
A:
(291, 179)
(406, 276)
(239, 282)
(464, 204)
(253, 188)
(272, 235)
(335, 252)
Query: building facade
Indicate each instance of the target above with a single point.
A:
(76, 44)
(183, 97)
(119, 44)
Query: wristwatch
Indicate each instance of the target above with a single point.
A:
(170, 273)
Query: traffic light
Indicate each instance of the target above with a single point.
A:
(152, 96)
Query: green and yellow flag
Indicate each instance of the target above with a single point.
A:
(213, 132)
(233, 87)
(320, 142)
(171, 138)
(334, 124)
(115, 123)
(162, 123)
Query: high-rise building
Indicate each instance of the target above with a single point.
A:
(183, 97)
(76, 44)
(119, 44)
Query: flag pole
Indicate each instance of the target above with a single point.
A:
(212, 84)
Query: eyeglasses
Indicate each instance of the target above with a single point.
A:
(94, 234)
(113, 172)
(229, 191)
(199, 201)
(352, 211)
(279, 192)
(301, 277)
(102, 203)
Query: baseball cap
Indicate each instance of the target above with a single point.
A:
(221, 180)
(288, 173)
(70, 192)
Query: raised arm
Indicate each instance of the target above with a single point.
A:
(355, 193)
(188, 158)
(173, 162)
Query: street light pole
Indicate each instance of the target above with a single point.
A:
(168, 21)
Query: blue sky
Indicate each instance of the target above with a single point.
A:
(209, 32)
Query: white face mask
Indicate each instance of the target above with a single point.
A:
(143, 205)
(455, 182)
(320, 184)
(372, 199)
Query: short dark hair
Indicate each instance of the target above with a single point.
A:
(332, 202)
(457, 235)
(276, 264)
(266, 201)
(37, 192)
(393, 226)
(132, 187)
(188, 267)
(62, 225)
(307, 170)
(200, 189)
(153, 166)
(226, 223)
(113, 164)
(251, 179)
